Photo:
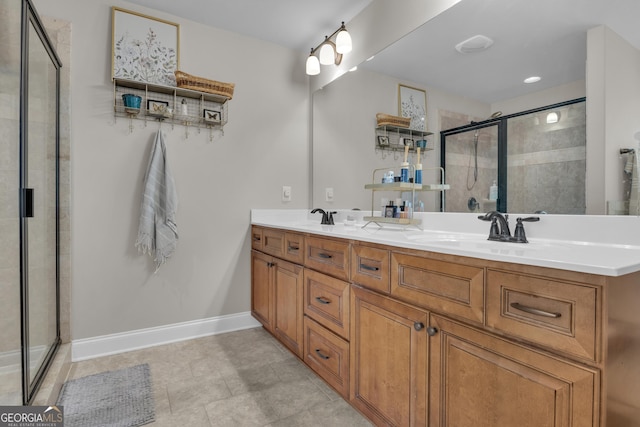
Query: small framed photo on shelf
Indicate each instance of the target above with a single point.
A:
(157, 107)
(383, 141)
(211, 116)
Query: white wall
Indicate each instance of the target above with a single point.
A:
(554, 95)
(613, 111)
(264, 147)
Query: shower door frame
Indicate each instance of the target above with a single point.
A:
(502, 123)
(30, 18)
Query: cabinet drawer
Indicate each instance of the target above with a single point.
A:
(328, 355)
(451, 288)
(370, 267)
(256, 238)
(557, 315)
(294, 247)
(328, 256)
(326, 300)
(273, 242)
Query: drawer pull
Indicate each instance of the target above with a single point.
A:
(431, 331)
(418, 326)
(368, 267)
(325, 256)
(256, 238)
(294, 248)
(322, 356)
(535, 311)
(323, 300)
(271, 264)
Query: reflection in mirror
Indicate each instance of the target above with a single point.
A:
(344, 152)
(538, 164)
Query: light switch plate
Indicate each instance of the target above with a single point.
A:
(328, 192)
(286, 193)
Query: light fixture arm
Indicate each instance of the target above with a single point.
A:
(342, 27)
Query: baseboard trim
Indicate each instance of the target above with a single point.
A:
(89, 348)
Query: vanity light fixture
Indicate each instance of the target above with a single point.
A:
(329, 52)
(553, 117)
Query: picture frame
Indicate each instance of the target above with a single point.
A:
(143, 48)
(383, 140)
(212, 116)
(412, 102)
(157, 107)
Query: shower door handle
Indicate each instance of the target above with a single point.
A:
(27, 200)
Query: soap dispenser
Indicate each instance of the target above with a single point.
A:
(493, 191)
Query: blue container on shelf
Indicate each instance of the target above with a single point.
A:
(131, 101)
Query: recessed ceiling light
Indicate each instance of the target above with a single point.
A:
(532, 79)
(370, 58)
(354, 69)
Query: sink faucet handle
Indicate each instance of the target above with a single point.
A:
(330, 217)
(519, 235)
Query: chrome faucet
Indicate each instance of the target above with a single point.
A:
(327, 217)
(499, 230)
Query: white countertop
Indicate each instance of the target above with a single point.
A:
(604, 245)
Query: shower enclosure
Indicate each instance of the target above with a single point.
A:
(537, 159)
(29, 195)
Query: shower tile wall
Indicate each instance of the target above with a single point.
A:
(547, 162)
(461, 164)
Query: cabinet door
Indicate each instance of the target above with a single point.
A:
(262, 303)
(388, 367)
(288, 296)
(479, 380)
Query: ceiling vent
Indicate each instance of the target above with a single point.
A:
(474, 44)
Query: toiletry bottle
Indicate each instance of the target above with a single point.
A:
(418, 178)
(184, 107)
(404, 172)
(493, 191)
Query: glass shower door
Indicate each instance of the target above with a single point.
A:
(40, 211)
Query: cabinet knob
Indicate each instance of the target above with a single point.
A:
(431, 331)
(418, 326)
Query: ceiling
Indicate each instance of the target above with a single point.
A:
(542, 37)
(296, 24)
(545, 38)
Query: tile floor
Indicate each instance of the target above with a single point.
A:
(243, 378)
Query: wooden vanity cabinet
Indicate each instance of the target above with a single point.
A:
(417, 338)
(389, 356)
(277, 290)
(480, 380)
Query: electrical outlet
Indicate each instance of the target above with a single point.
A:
(286, 193)
(328, 193)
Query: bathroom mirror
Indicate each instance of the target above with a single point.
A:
(527, 35)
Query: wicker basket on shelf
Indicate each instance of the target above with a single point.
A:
(187, 81)
(389, 120)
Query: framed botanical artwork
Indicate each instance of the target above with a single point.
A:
(143, 48)
(412, 102)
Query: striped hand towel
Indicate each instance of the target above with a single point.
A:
(157, 229)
